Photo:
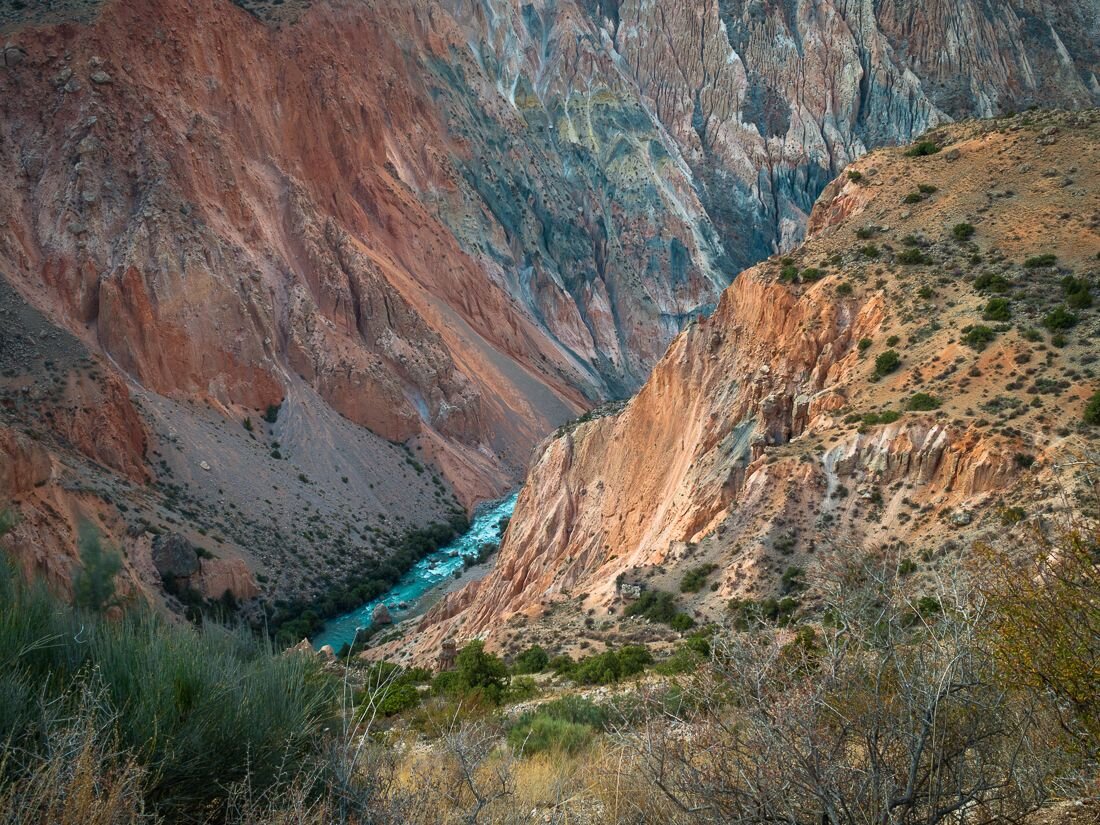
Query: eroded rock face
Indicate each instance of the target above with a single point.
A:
(766, 438)
(496, 215)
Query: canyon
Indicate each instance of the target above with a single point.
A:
(851, 398)
(286, 281)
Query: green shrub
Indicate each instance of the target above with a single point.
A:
(811, 274)
(788, 273)
(749, 614)
(793, 580)
(655, 605)
(682, 622)
(913, 197)
(1059, 318)
(696, 577)
(390, 699)
(991, 282)
(477, 669)
(913, 256)
(887, 363)
(94, 582)
(854, 175)
(997, 309)
(869, 251)
(873, 419)
(978, 337)
(533, 660)
(963, 231)
(566, 725)
(520, 689)
(1092, 410)
(922, 148)
(1078, 292)
(1040, 261)
(200, 709)
(865, 344)
(923, 402)
(271, 414)
(927, 188)
(608, 667)
(542, 733)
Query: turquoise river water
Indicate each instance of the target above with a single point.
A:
(430, 571)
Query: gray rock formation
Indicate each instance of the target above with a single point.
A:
(174, 557)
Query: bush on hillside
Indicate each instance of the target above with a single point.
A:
(923, 402)
(476, 672)
(997, 309)
(696, 577)
(963, 231)
(887, 363)
(978, 336)
(1092, 410)
(565, 725)
(533, 660)
(1059, 318)
(922, 148)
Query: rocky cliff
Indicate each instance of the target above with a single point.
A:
(418, 256)
(911, 378)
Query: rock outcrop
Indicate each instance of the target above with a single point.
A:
(776, 433)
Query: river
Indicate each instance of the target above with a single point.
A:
(426, 574)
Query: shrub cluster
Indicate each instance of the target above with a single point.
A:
(659, 606)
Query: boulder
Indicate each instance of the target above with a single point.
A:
(174, 557)
(381, 615)
(303, 647)
(961, 518)
(13, 55)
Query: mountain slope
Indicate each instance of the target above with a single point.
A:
(896, 384)
(418, 257)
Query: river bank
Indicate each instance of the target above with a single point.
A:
(427, 579)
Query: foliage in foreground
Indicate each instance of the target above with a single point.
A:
(196, 710)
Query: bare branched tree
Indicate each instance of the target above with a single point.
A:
(893, 714)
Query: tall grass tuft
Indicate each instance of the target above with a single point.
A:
(198, 711)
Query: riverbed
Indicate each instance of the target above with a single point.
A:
(430, 572)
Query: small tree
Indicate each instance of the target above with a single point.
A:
(477, 669)
(94, 582)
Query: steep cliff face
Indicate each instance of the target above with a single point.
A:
(724, 120)
(887, 385)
